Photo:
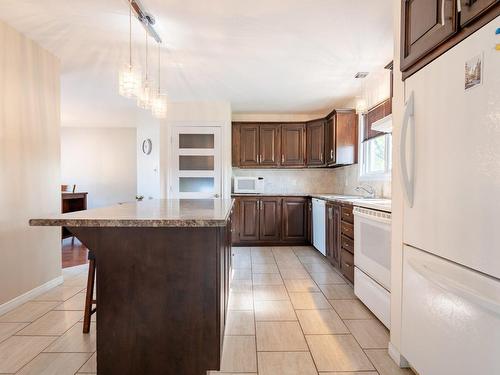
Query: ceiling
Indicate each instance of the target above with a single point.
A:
(264, 56)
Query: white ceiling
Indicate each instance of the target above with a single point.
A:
(280, 56)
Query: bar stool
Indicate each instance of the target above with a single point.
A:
(89, 297)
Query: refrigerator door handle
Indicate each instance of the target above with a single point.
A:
(455, 287)
(407, 179)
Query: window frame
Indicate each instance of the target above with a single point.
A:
(386, 175)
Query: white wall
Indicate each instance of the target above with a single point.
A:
(29, 165)
(149, 167)
(100, 161)
(202, 113)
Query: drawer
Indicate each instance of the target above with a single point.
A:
(347, 229)
(347, 265)
(347, 244)
(347, 215)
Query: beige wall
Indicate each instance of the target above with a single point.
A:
(29, 164)
(100, 161)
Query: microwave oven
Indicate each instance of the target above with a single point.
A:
(248, 185)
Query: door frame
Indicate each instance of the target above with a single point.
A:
(175, 152)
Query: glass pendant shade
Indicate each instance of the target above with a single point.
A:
(145, 96)
(159, 107)
(129, 81)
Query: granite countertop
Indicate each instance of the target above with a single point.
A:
(381, 204)
(150, 213)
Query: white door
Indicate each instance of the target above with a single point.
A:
(456, 175)
(196, 162)
(451, 317)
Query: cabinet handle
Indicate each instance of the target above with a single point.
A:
(282, 158)
(443, 21)
(321, 156)
(331, 154)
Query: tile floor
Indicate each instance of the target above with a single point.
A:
(289, 313)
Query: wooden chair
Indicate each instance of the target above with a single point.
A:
(89, 297)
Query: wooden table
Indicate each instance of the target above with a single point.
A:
(163, 283)
(71, 202)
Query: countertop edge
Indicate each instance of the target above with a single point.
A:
(135, 223)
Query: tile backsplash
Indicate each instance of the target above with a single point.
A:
(313, 181)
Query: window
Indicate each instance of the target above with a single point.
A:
(376, 157)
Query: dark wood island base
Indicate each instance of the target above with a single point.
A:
(162, 295)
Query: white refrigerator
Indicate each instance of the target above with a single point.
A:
(450, 161)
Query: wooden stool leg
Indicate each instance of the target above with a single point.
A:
(89, 297)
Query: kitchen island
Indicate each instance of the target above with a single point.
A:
(163, 273)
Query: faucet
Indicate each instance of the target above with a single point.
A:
(368, 189)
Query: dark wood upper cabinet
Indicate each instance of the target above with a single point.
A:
(315, 143)
(429, 28)
(293, 145)
(235, 148)
(342, 138)
(473, 9)
(294, 219)
(249, 219)
(425, 25)
(269, 145)
(270, 219)
(249, 145)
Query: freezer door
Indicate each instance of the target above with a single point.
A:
(452, 154)
(451, 317)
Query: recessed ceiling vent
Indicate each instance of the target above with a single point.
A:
(361, 75)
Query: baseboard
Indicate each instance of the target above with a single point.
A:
(23, 298)
(397, 357)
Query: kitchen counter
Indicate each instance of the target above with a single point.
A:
(150, 213)
(163, 274)
(381, 204)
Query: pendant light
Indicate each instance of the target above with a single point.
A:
(159, 107)
(129, 77)
(146, 92)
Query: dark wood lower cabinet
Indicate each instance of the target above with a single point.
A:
(333, 233)
(271, 220)
(294, 219)
(249, 219)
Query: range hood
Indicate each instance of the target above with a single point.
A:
(383, 125)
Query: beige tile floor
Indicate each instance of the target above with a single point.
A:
(289, 313)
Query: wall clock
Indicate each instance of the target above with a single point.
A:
(147, 146)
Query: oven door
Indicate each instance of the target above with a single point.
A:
(372, 248)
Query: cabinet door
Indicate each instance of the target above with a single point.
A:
(235, 149)
(337, 242)
(293, 145)
(330, 234)
(249, 145)
(235, 220)
(270, 219)
(330, 141)
(269, 149)
(309, 221)
(472, 9)
(346, 138)
(425, 24)
(315, 143)
(249, 219)
(294, 219)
